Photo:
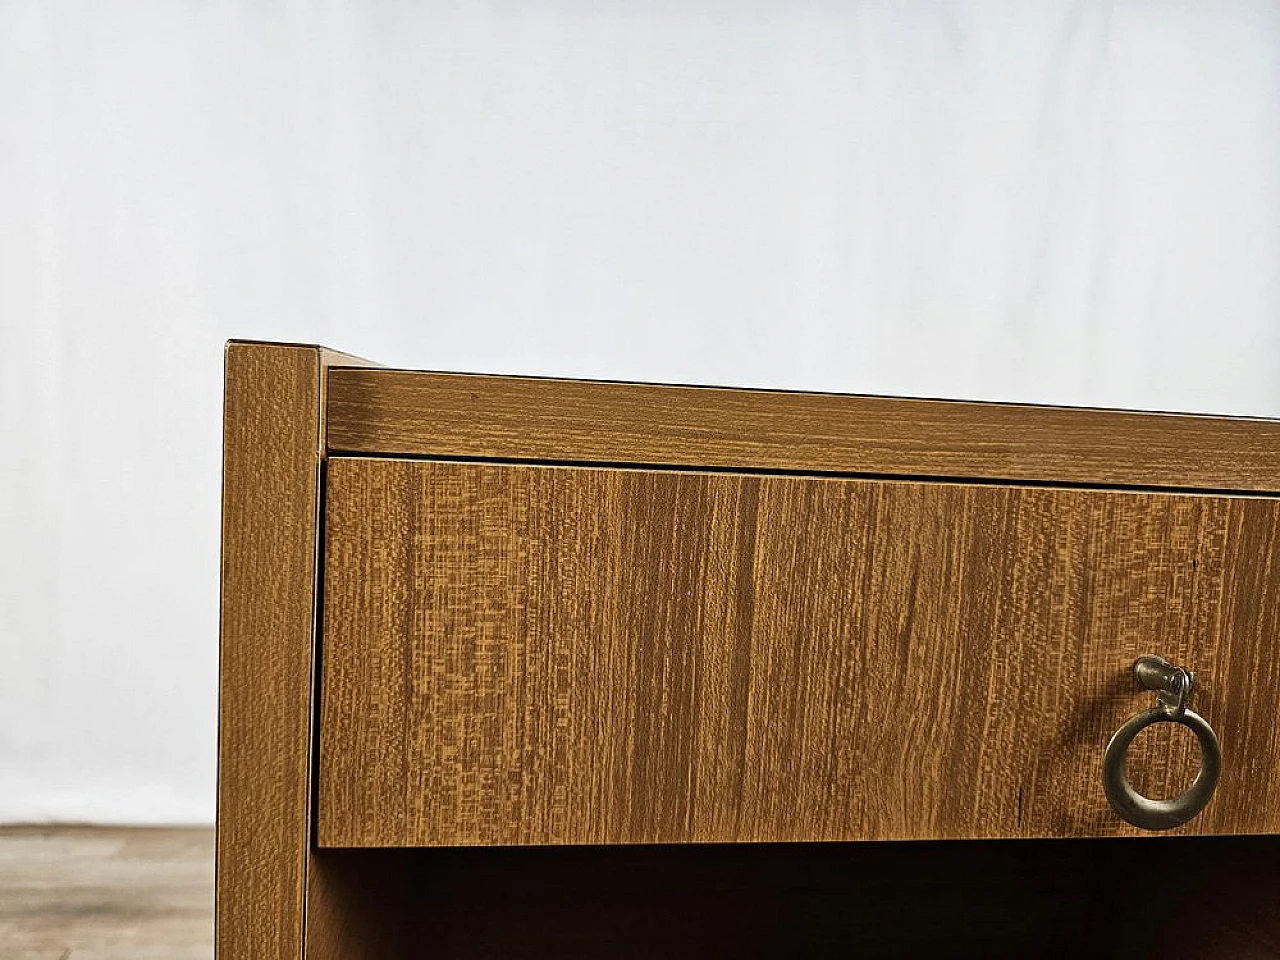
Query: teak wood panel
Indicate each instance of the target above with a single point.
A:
(271, 888)
(271, 463)
(410, 413)
(533, 655)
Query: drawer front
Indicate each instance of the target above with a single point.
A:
(521, 654)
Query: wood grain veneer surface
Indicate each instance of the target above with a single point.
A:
(410, 413)
(270, 503)
(270, 892)
(525, 654)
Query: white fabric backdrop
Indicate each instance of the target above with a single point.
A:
(1052, 202)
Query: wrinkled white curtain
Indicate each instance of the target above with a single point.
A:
(1061, 202)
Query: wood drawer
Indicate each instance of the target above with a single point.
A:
(526, 654)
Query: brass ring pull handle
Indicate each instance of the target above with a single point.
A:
(1175, 686)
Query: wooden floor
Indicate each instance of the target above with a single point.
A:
(90, 893)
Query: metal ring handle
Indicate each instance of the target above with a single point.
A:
(1160, 814)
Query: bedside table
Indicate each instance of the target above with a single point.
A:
(533, 667)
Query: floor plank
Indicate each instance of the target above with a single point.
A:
(106, 893)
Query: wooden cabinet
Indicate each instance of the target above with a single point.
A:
(530, 667)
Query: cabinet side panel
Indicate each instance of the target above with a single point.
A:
(271, 459)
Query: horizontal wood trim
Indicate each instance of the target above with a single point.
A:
(521, 654)
(406, 413)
